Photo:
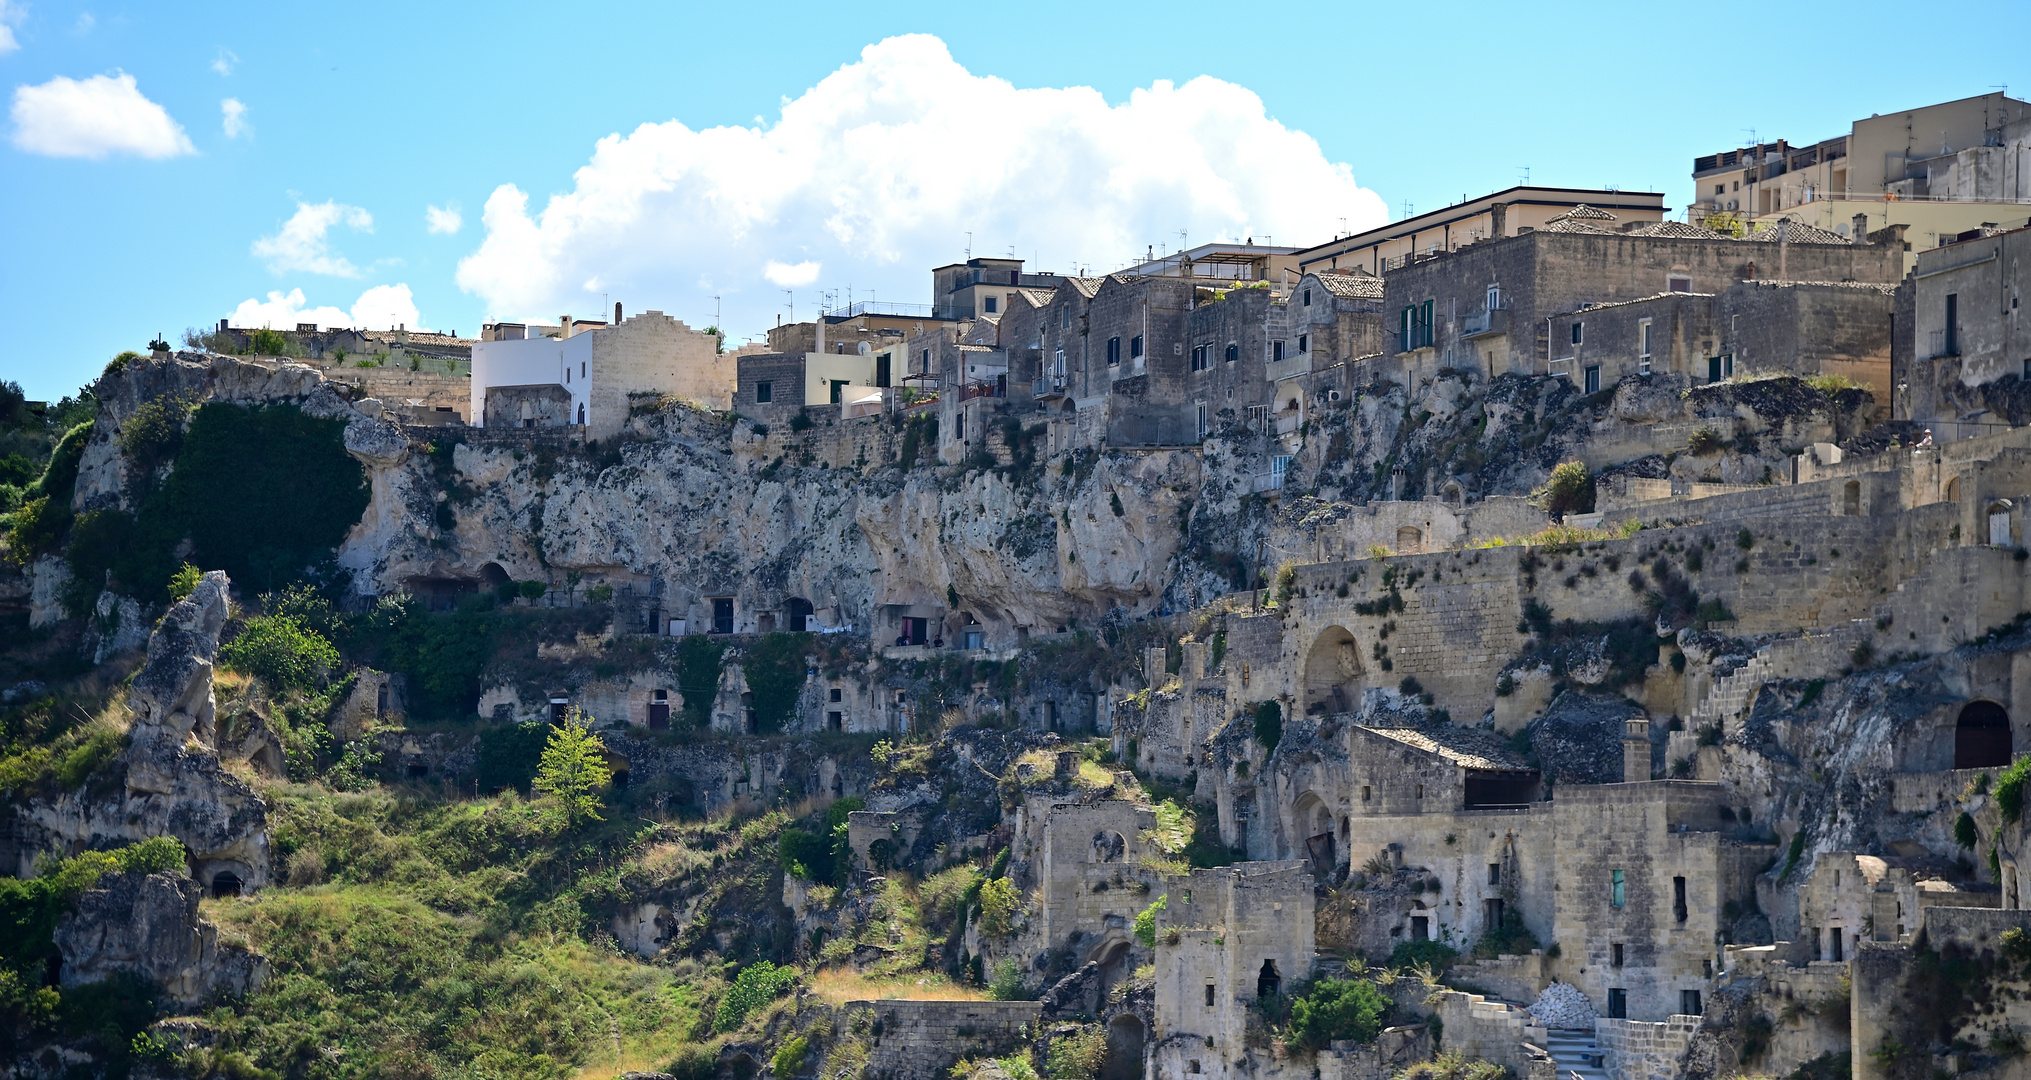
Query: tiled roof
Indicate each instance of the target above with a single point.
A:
(1587, 212)
(1465, 747)
(1796, 232)
(1355, 286)
(1677, 230)
(1087, 286)
(1036, 297)
(1569, 225)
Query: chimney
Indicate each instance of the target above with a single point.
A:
(1861, 229)
(565, 322)
(222, 326)
(820, 324)
(1635, 750)
(617, 313)
(1500, 213)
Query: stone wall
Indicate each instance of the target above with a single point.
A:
(1484, 1030)
(1635, 1050)
(919, 1040)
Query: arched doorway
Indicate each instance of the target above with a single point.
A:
(1312, 822)
(1124, 1049)
(1410, 540)
(1333, 672)
(1109, 846)
(225, 883)
(1999, 523)
(1981, 737)
(1268, 981)
(797, 615)
(1112, 958)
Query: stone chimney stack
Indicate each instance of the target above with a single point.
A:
(1635, 750)
(565, 322)
(1860, 229)
(617, 313)
(1193, 668)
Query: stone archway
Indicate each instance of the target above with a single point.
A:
(1125, 1039)
(1313, 830)
(1333, 672)
(1981, 736)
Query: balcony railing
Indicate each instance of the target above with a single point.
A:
(882, 307)
(1485, 323)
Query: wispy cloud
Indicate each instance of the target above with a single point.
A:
(85, 23)
(235, 118)
(443, 219)
(789, 276)
(94, 117)
(300, 245)
(225, 61)
(11, 15)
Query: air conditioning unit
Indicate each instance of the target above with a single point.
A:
(1332, 395)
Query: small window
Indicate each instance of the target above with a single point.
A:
(1209, 997)
(837, 694)
(835, 721)
(1616, 892)
(1364, 793)
(1679, 284)
(1494, 297)
(567, 376)
(1618, 1003)
(988, 304)
(927, 362)
(1420, 928)
(1304, 343)
(1308, 298)
(1276, 351)
(1420, 791)
(1113, 351)
(1678, 908)
(1643, 338)
(1593, 378)
(1495, 873)
(1202, 420)
(1135, 347)
(581, 369)
(1065, 317)
(1615, 955)
(1579, 332)
(765, 392)
(1689, 1002)
(1233, 352)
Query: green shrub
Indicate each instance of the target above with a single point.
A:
(1569, 490)
(1964, 832)
(573, 769)
(789, 1058)
(280, 652)
(1705, 442)
(183, 582)
(1436, 955)
(774, 667)
(1286, 584)
(698, 665)
(1334, 1009)
(1452, 1065)
(999, 905)
(2010, 790)
(1008, 984)
(1269, 724)
(1145, 926)
(1077, 1055)
(507, 756)
(532, 590)
(757, 984)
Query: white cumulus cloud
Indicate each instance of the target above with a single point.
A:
(90, 118)
(878, 173)
(301, 243)
(235, 118)
(790, 277)
(225, 61)
(443, 219)
(379, 308)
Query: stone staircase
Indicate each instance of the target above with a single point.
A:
(1576, 1054)
(1817, 653)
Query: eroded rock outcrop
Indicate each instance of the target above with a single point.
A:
(169, 781)
(149, 923)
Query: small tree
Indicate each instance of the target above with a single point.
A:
(1338, 1009)
(1569, 490)
(573, 769)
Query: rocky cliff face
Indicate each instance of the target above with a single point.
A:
(149, 923)
(169, 781)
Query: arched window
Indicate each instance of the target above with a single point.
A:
(581, 414)
(1999, 523)
(1981, 737)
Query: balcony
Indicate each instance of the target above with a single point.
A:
(882, 307)
(1485, 324)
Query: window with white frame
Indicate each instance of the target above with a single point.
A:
(1201, 408)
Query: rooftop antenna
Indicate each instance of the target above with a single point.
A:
(715, 317)
(1525, 170)
(1752, 136)
(1343, 226)
(1406, 208)
(969, 245)
(786, 292)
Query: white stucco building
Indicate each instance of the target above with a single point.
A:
(582, 374)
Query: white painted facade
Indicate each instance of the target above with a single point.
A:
(541, 361)
(601, 366)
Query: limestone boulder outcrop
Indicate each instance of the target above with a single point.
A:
(149, 923)
(169, 780)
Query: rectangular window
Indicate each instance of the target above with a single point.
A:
(581, 369)
(1618, 1003)
(1495, 873)
(1593, 378)
(1202, 357)
(959, 427)
(1233, 352)
(1202, 419)
(1952, 325)
(987, 305)
(1678, 908)
(1643, 338)
(1689, 1003)
(765, 392)
(836, 694)
(1678, 284)
(1135, 347)
(1491, 914)
(1065, 317)
(1615, 888)
(1279, 466)
(1209, 995)
(1113, 351)
(1579, 332)
(1615, 955)
(1420, 928)
(1833, 937)
(1275, 351)
(1308, 298)
(722, 615)
(1364, 793)
(973, 639)
(927, 362)
(1304, 343)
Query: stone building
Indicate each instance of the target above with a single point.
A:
(1227, 937)
(1964, 362)
(586, 378)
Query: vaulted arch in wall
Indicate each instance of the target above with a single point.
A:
(1981, 736)
(1851, 498)
(1952, 489)
(797, 615)
(1125, 1039)
(1109, 846)
(1333, 672)
(1312, 825)
(1410, 540)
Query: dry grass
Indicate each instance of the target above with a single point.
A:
(837, 986)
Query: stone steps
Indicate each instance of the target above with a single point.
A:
(1576, 1054)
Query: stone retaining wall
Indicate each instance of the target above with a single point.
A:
(919, 1040)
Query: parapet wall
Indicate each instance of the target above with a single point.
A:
(919, 1040)
(1634, 1050)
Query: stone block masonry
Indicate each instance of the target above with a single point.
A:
(919, 1040)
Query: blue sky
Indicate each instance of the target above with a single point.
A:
(355, 120)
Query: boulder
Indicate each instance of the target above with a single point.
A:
(1078, 992)
(150, 924)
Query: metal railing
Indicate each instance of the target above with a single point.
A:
(882, 307)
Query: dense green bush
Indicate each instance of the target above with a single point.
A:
(1338, 1009)
(1269, 724)
(822, 855)
(757, 984)
(1436, 955)
(280, 652)
(774, 667)
(1569, 490)
(443, 654)
(698, 661)
(507, 756)
(29, 908)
